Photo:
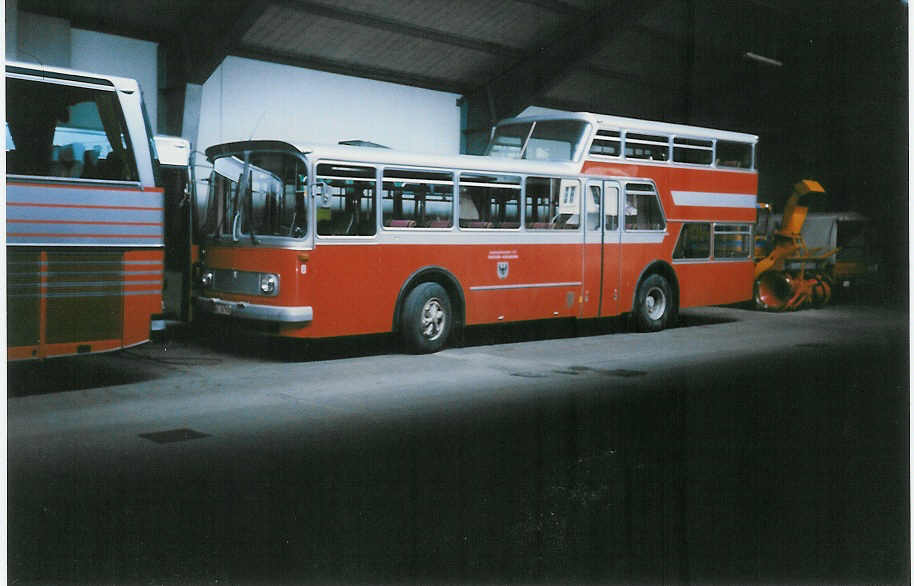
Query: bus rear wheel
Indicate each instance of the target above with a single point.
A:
(654, 305)
(426, 318)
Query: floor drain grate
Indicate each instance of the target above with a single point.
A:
(173, 435)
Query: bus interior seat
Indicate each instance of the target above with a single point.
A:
(401, 223)
(68, 160)
(111, 167)
(468, 209)
(341, 223)
(439, 224)
(90, 163)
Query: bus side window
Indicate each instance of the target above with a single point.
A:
(417, 199)
(642, 208)
(551, 204)
(489, 201)
(351, 210)
(694, 241)
(732, 241)
(734, 154)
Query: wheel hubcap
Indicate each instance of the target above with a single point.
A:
(433, 319)
(655, 303)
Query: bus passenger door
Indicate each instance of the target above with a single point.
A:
(592, 257)
(611, 249)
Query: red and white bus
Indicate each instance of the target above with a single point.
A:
(84, 228)
(571, 216)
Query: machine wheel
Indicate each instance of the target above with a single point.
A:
(426, 318)
(654, 305)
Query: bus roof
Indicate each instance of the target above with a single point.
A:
(606, 122)
(81, 77)
(407, 159)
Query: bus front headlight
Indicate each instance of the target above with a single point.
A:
(206, 279)
(268, 284)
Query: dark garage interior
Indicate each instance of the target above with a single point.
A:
(738, 447)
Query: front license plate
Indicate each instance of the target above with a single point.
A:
(222, 309)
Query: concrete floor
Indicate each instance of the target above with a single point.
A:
(740, 447)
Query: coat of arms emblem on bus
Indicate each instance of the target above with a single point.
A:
(502, 269)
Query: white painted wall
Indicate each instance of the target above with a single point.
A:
(11, 28)
(253, 99)
(121, 56)
(42, 39)
(51, 41)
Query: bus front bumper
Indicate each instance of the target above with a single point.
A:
(244, 310)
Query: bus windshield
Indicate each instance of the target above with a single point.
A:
(542, 140)
(258, 193)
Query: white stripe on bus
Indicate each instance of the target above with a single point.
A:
(524, 286)
(714, 199)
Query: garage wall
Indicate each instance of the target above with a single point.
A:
(254, 99)
(122, 56)
(35, 38)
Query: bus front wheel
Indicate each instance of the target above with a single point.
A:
(654, 304)
(426, 318)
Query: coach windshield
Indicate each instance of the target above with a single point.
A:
(540, 140)
(255, 194)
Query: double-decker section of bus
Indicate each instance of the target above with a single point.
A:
(572, 216)
(84, 215)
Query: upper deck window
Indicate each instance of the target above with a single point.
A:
(57, 130)
(695, 151)
(734, 154)
(542, 140)
(647, 146)
(606, 143)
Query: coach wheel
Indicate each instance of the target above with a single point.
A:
(654, 306)
(426, 318)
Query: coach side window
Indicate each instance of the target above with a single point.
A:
(642, 208)
(57, 130)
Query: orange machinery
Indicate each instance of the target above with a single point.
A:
(788, 274)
